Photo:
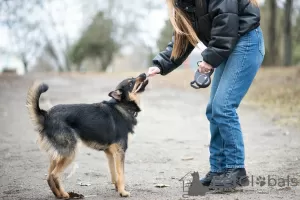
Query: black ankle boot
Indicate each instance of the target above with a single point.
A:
(208, 177)
(232, 178)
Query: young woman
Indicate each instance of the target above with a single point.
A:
(235, 49)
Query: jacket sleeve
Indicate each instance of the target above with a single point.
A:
(165, 63)
(224, 33)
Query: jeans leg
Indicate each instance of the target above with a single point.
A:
(217, 158)
(240, 70)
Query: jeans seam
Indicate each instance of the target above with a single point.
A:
(257, 31)
(228, 94)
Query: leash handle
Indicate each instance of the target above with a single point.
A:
(194, 86)
(201, 80)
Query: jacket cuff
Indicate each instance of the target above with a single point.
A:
(160, 68)
(156, 64)
(211, 57)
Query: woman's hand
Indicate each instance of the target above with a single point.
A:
(152, 71)
(204, 67)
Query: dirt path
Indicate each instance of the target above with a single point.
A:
(172, 126)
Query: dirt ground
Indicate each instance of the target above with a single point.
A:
(172, 128)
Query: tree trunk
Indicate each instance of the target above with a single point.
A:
(288, 33)
(67, 63)
(272, 32)
(25, 63)
(60, 68)
(25, 67)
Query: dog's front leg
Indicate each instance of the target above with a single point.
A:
(119, 158)
(112, 167)
(118, 154)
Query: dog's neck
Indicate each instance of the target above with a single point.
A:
(129, 107)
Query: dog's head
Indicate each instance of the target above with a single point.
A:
(129, 89)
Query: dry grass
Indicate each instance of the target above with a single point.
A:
(277, 91)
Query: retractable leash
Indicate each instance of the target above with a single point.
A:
(201, 80)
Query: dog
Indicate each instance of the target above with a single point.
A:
(103, 126)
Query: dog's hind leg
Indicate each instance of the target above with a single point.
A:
(119, 156)
(50, 180)
(61, 164)
(112, 167)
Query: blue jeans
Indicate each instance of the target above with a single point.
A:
(230, 83)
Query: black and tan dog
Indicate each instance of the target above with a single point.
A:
(103, 126)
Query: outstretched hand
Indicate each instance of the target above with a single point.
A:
(152, 71)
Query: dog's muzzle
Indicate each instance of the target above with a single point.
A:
(142, 81)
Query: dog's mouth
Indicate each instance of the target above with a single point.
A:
(141, 86)
(142, 82)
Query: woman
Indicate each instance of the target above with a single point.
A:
(235, 50)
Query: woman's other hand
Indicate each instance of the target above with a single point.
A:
(152, 71)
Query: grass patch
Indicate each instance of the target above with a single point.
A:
(277, 91)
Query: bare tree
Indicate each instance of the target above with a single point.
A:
(23, 30)
(57, 44)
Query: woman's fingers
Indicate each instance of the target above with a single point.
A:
(204, 67)
(152, 71)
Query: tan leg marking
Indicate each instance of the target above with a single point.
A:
(50, 180)
(119, 157)
(61, 164)
(112, 167)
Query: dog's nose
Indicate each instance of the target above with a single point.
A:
(142, 77)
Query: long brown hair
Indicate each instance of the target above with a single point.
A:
(183, 29)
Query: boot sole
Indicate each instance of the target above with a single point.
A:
(243, 182)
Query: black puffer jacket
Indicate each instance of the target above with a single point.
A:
(219, 24)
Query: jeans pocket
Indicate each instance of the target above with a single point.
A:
(261, 42)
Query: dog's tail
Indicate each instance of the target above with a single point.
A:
(37, 115)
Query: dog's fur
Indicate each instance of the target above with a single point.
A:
(102, 126)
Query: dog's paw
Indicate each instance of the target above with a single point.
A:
(65, 195)
(74, 195)
(124, 194)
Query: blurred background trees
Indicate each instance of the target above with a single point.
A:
(98, 35)
(280, 24)
(38, 33)
(96, 43)
(165, 35)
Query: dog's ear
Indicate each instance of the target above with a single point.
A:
(116, 94)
